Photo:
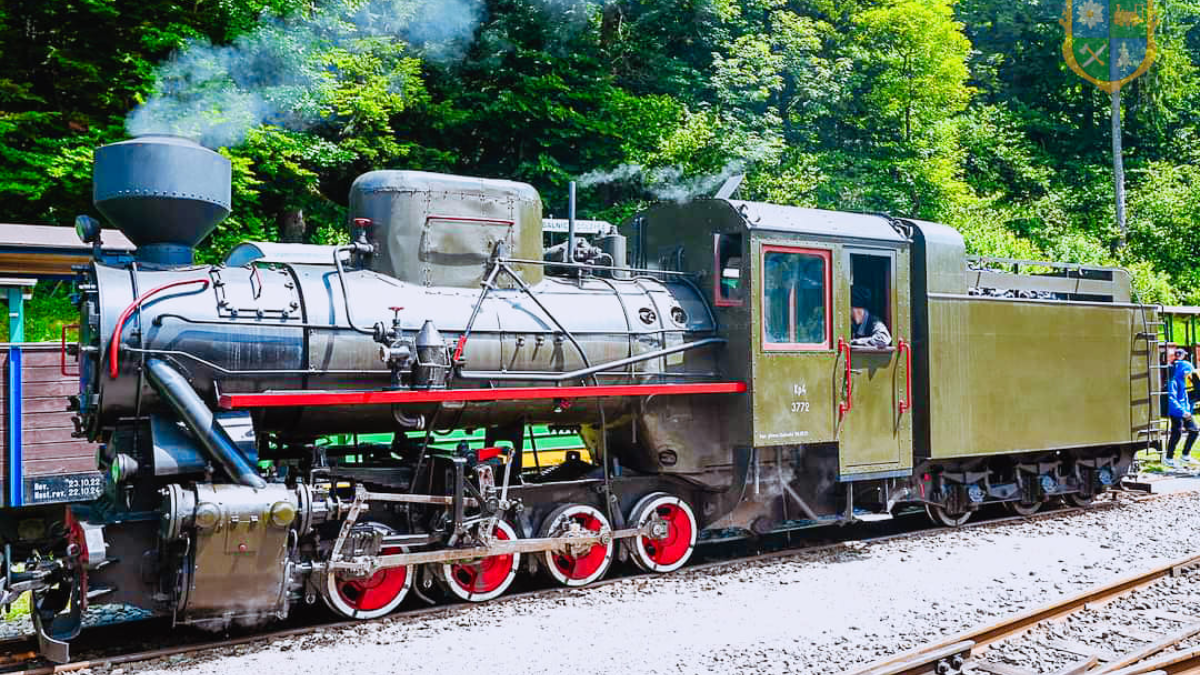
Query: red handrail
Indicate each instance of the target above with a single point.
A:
(847, 405)
(115, 344)
(62, 358)
(905, 347)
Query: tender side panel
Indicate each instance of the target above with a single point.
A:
(47, 447)
(1010, 376)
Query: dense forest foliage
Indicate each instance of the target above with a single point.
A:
(959, 111)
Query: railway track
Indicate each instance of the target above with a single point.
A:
(95, 646)
(1047, 629)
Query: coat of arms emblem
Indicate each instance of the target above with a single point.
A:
(1109, 42)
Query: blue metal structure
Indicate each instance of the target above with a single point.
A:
(16, 333)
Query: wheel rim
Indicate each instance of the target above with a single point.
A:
(1082, 501)
(483, 579)
(941, 516)
(671, 552)
(572, 567)
(371, 597)
(1024, 508)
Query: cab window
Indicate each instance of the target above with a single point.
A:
(795, 298)
(727, 270)
(873, 274)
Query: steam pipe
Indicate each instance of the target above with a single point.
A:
(341, 275)
(136, 305)
(176, 391)
(570, 256)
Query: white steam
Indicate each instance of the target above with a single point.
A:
(278, 73)
(665, 183)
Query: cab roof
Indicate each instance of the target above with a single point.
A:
(794, 219)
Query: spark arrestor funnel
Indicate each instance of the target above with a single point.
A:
(165, 193)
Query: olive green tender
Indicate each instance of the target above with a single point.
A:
(1010, 376)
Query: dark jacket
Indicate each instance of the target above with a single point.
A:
(872, 332)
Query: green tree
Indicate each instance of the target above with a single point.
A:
(915, 53)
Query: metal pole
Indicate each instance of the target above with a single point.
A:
(16, 334)
(569, 257)
(1118, 167)
(16, 468)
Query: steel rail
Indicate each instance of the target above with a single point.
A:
(925, 659)
(440, 611)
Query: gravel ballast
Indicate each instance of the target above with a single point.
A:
(97, 615)
(814, 612)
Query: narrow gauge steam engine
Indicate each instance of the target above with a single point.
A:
(713, 378)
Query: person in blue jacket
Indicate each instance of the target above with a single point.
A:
(1179, 409)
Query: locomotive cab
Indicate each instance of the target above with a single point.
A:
(822, 410)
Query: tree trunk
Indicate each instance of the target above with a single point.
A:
(1118, 168)
(908, 103)
(291, 226)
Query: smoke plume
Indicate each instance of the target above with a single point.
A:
(664, 183)
(279, 73)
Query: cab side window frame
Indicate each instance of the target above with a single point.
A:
(724, 296)
(826, 257)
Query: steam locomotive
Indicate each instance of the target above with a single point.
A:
(706, 360)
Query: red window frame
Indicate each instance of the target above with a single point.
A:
(826, 256)
(718, 271)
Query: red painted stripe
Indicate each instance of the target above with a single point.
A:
(279, 399)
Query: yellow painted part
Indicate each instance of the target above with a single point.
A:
(548, 458)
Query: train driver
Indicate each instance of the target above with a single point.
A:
(867, 330)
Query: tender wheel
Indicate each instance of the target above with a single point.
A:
(576, 565)
(673, 549)
(369, 597)
(483, 579)
(1023, 508)
(940, 516)
(1080, 500)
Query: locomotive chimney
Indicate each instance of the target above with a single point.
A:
(165, 193)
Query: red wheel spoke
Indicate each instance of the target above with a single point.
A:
(369, 597)
(576, 564)
(673, 520)
(487, 577)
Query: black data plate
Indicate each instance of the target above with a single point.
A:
(71, 487)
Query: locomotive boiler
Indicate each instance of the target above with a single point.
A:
(706, 361)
